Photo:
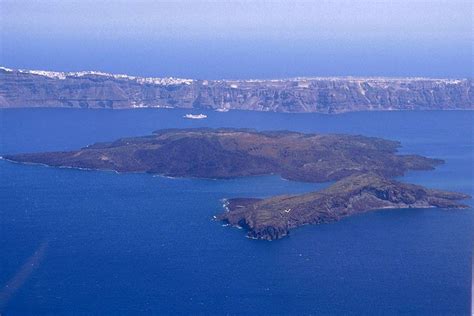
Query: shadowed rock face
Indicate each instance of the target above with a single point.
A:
(228, 153)
(274, 217)
(325, 95)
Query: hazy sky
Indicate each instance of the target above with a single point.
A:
(331, 31)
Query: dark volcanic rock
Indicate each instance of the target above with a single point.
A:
(326, 95)
(274, 217)
(228, 153)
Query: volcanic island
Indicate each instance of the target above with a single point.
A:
(361, 168)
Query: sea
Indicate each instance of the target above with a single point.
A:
(98, 242)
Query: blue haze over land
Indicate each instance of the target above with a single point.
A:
(241, 39)
(112, 243)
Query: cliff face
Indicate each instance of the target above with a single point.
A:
(21, 88)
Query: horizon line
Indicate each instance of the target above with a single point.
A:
(128, 76)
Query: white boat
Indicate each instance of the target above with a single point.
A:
(222, 110)
(195, 116)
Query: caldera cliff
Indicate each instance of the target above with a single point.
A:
(89, 89)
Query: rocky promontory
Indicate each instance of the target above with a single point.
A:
(274, 217)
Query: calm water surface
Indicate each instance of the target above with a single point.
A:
(78, 242)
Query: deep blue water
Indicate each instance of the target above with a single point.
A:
(110, 243)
